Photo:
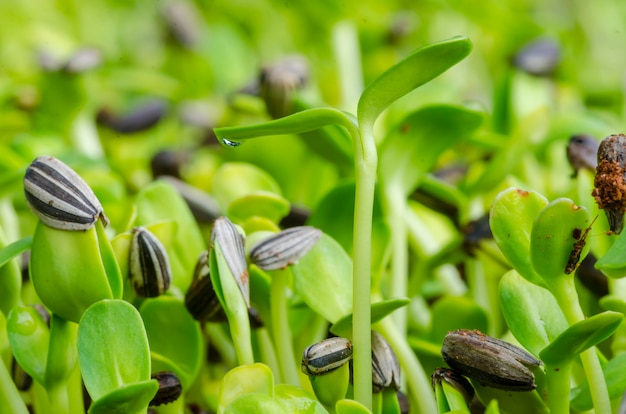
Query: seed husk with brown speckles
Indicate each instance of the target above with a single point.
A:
(610, 180)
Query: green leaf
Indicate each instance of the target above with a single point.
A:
(332, 386)
(412, 147)
(59, 263)
(351, 407)
(613, 263)
(615, 382)
(323, 277)
(29, 337)
(303, 121)
(454, 312)
(531, 312)
(14, 249)
(581, 336)
(343, 326)
(170, 329)
(234, 180)
(245, 379)
(255, 403)
(10, 273)
(113, 348)
(261, 204)
(127, 399)
(297, 401)
(553, 237)
(511, 220)
(419, 67)
(454, 399)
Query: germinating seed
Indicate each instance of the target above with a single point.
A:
(231, 243)
(150, 271)
(489, 361)
(284, 248)
(201, 300)
(385, 365)
(326, 356)
(59, 197)
(610, 180)
(170, 388)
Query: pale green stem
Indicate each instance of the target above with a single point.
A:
(57, 399)
(220, 341)
(365, 163)
(347, 54)
(280, 327)
(396, 216)
(418, 383)
(10, 397)
(565, 293)
(240, 332)
(268, 353)
(558, 384)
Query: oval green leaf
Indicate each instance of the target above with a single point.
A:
(113, 348)
(258, 204)
(29, 337)
(323, 277)
(412, 147)
(554, 237)
(511, 221)
(351, 407)
(245, 379)
(613, 263)
(297, 401)
(581, 336)
(129, 398)
(531, 312)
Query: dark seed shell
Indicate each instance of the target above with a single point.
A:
(150, 270)
(60, 197)
(170, 388)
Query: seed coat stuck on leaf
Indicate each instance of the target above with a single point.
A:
(284, 248)
(610, 180)
(232, 245)
(59, 197)
(150, 271)
(170, 388)
(326, 356)
(489, 361)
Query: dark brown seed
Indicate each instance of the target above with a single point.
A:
(22, 380)
(279, 82)
(539, 58)
(582, 153)
(489, 361)
(610, 180)
(592, 278)
(169, 388)
(201, 300)
(139, 119)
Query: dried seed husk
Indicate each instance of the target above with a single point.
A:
(201, 300)
(150, 270)
(385, 365)
(284, 248)
(489, 361)
(170, 388)
(326, 356)
(610, 180)
(456, 380)
(59, 197)
(232, 245)
(582, 153)
(279, 81)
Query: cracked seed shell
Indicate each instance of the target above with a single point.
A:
(150, 271)
(59, 197)
(326, 356)
(489, 361)
(385, 365)
(170, 388)
(284, 248)
(610, 180)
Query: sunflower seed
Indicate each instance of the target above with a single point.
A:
(170, 388)
(284, 248)
(150, 271)
(201, 300)
(582, 153)
(279, 82)
(610, 180)
(231, 243)
(59, 197)
(385, 365)
(326, 356)
(489, 361)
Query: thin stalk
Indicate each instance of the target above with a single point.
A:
(267, 351)
(280, 327)
(417, 380)
(240, 332)
(58, 401)
(10, 397)
(558, 383)
(365, 159)
(565, 293)
(220, 341)
(396, 210)
(347, 54)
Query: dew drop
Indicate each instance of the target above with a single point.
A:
(230, 143)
